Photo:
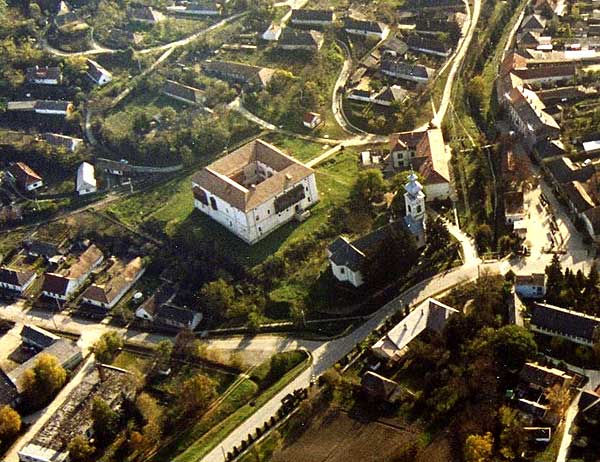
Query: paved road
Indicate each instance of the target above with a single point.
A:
(98, 49)
(457, 63)
(326, 354)
(337, 98)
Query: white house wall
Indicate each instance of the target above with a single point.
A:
(437, 191)
(257, 223)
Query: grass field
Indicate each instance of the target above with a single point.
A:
(171, 204)
(300, 149)
(120, 121)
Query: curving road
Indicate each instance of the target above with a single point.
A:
(98, 49)
(463, 47)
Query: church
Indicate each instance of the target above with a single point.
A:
(346, 257)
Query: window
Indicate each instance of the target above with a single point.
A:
(257, 217)
(259, 229)
(343, 270)
(418, 209)
(269, 212)
(213, 203)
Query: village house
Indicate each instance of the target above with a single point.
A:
(346, 258)
(292, 40)
(527, 115)
(65, 351)
(9, 396)
(67, 21)
(385, 97)
(15, 279)
(184, 93)
(46, 107)
(145, 14)
(97, 73)
(534, 381)
(62, 285)
(430, 315)
(312, 120)
(514, 207)
(534, 40)
(380, 387)
(205, 8)
(74, 417)
(37, 337)
(591, 220)
(372, 29)
(40, 248)
(397, 68)
(303, 17)
(533, 22)
(530, 285)
(70, 143)
(121, 278)
(25, 177)
(591, 147)
(147, 310)
(255, 190)
(546, 75)
(272, 33)
(549, 7)
(86, 180)
(43, 75)
(428, 46)
(177, 317)
(427, 154)
(571, 325)
(253, 77)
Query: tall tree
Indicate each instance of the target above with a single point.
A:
(107, 346)
(44, 380)
(369, 187)
(105, 421)
(197, 393)
(555, 281)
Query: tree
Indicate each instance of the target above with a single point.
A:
(483, 237)
(369, 186)
(197, 392)
(511, 438)
(105, 421)
(163, 352)
(44, 380)
(10, 423)
(476, 92)
(513, 345)
(219, 295)
(185, 343)
(80, 450)
(107, 346)
(558, 399)
(555, 280)
(478, 448)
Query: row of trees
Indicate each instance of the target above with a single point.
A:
(573, 289)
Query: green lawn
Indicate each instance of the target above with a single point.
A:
(210, 440)
(334, 180)
(120, 121)
(132, 362)
(301, 149)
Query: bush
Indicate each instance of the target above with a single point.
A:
(273, 369)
